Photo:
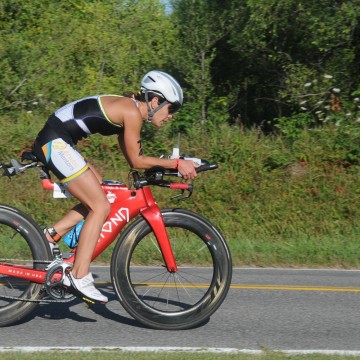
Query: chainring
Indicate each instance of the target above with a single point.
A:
(55, 275)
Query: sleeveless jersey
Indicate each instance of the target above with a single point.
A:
(54, 145)
(82, 118)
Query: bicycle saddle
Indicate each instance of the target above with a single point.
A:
(28, 155)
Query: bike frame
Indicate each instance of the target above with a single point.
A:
(126, 204)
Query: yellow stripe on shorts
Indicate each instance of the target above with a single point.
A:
(72, 177)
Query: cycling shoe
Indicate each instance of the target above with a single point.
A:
(84, 288)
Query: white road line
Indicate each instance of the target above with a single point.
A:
(30, 349)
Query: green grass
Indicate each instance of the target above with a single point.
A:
(339, 252)
(278, 202)
(113, 355)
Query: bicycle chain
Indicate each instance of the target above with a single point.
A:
(29, 261)
(36, 300)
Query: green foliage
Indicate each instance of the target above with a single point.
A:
(278, 202)
(199, 26)
(292, 126)
(267, 38)
(189, 116)
(288, 196)
(104, 48)
(246, 53)
(323, 108)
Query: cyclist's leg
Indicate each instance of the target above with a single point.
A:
(80, 282)
(60, 157)
(87, 189)
(64, 225)
(83, 183)
(76, 214)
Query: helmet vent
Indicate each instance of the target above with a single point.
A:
(149, 78)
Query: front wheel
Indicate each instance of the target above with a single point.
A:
(179, 300)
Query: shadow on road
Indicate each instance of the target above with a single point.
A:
(61, 311)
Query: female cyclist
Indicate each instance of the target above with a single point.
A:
(160, 96)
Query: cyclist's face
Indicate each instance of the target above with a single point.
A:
(162, 116)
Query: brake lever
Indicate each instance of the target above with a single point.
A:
(180, 196)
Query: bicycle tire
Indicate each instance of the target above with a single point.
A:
(201, 254)
(20, 239)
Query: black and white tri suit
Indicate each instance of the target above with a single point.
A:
(54, 145)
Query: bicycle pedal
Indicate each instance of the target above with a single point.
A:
(67, 255)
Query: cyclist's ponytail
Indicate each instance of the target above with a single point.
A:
(134, 95)
(140, 96)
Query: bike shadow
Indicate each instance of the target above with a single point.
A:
(73, 311)
(78, 311)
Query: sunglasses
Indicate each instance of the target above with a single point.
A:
(174, 107)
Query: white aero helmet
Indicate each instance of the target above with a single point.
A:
(163, 84)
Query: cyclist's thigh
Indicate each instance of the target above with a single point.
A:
(97, 174)
(87, 189)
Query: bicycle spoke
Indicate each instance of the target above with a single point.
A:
(178, 291)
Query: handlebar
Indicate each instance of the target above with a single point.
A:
(154, 176)
(15, 168)
(204, 167)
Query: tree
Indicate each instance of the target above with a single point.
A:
(200, 24)
(268, 39)
(63, 50)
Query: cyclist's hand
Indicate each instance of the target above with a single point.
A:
(187, 168)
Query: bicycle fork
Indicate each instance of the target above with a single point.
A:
(153, 216)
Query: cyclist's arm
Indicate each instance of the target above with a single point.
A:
(129, 141)
(130, 144)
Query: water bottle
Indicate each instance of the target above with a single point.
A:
(72, 237)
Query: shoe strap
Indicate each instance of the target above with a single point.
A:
(53, 234)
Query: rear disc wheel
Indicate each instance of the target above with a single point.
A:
(22, 244)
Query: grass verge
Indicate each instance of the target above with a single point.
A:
(114, 355)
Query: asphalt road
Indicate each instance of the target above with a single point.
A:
(276, 309)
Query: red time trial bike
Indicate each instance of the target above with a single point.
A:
(170, 268)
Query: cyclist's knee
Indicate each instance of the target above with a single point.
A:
(107, 208)
(102, 208)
